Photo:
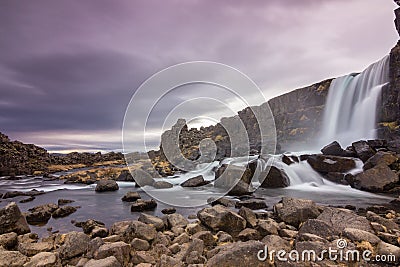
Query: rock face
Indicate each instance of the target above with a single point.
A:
(11, 220)
(106, 185)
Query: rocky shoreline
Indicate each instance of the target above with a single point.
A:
(225, 233)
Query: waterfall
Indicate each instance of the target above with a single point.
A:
(350, 110)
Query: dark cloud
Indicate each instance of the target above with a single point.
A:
(69, 68)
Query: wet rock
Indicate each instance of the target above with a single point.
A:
(287, 160)
(30, 249)
(44, 259)
(221, 218)
(12, 220)
(40, 214)
(333, 149)
(99, 232)
(325, 164)
(168, 211)
(139, 244)
(176, 220)
(380, 157)
(162, 185)
(142, 178)
(131, 197)
(238, 179)
(32, 193)
(274, 178)
(249, 216)
(195, 182)
(63, 211)
(244, 253)
(12, 259)
(62, 202)
(363, 150)
(120, 250)
(153, 220)
(9, 240)
(106, 185)
(377, 179)
(106, 262)
(125, 176)
(75, 244)
(26, 200)
(143, 205)
(140, 230)
(254, 204)
(295, 211)
(90, 224)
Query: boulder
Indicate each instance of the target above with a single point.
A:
(162, 185)
(224, 201)
(12, 220)
(75, 244)
(267, 227)
(254, 204)
(325, 164)
(120, 250)
(119, 228)
(377, 179)
(62, 202)
(287, 160)
(106, 262)
(171, 210)
(44, 259)
(131, 197)
(316, 227)
(89, 225)
(249, 234)
(143, 205)
(139, 244)
(274, 178)
(221, 218)
(237, 179)
(195, 182)
(249, 216)
(363, 150)
(243, 253)
(295, 211)
(339, 219)
(40, 214)
(153, 220)
(125, 176)
(357, 235)
(139, 230)
(333, 149)
(380, 157)
(206, 236)
(176, 220)
(12, 259)
(29, 249)
(142, 178)
(63, 211)
(106, 185)
(276, 242)
(9, 240)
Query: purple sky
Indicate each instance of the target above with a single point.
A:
(69, 68)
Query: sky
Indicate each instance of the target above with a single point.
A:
(68, 69)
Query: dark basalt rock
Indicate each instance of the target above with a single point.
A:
(325, 164)
(195, 182)
(131, 196)
(275, 178)
(333, 149)
(363, 150)
(12, 220)
(63, 211)
(162, 185)
(143, 205)
(377, 179)
(106, 185)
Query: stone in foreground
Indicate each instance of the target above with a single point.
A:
(12, 220)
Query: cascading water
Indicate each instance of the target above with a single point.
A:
(350, 111)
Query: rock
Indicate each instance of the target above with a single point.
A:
(26, 200)
(167, 261)
(140, 230)
(333, 149)
(379, 158)
(389, 238)
(63, 211)
(143, 205)
(377, 179)
(206, 236)
(274, 178)
(196, 245)
(224, 201)
(139, 244)
(357, 235)
(325, 164)
(176, 220)
(249, 216)
(106, 185)
(89, 225)
(244, 253)
(288, 233)
(181, 239)
(120, 250)
(62, 202)
(340, 219)
(363, 150)
(44, 259)
(295, 211)
(153, 220)
(320, 228)
(12, 259)
(75, 244)
(142, 257)
(249, 234)
(267, 227)
(221, 218)
(12, 220)
(193, 228)
(276, 242)
(30, 249)
(131, 197)
(195, 182)
(106, 262)
(388, 249)
(142, 178)
(40, 214)
(287, 160)
(99, 232)
(389, 224)
(9, 240)
(162, 185)
(237, 179)
(168, 211)
(119, 228)
(93, 246)
(125, 176)
(224, 237)
(254, 204)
